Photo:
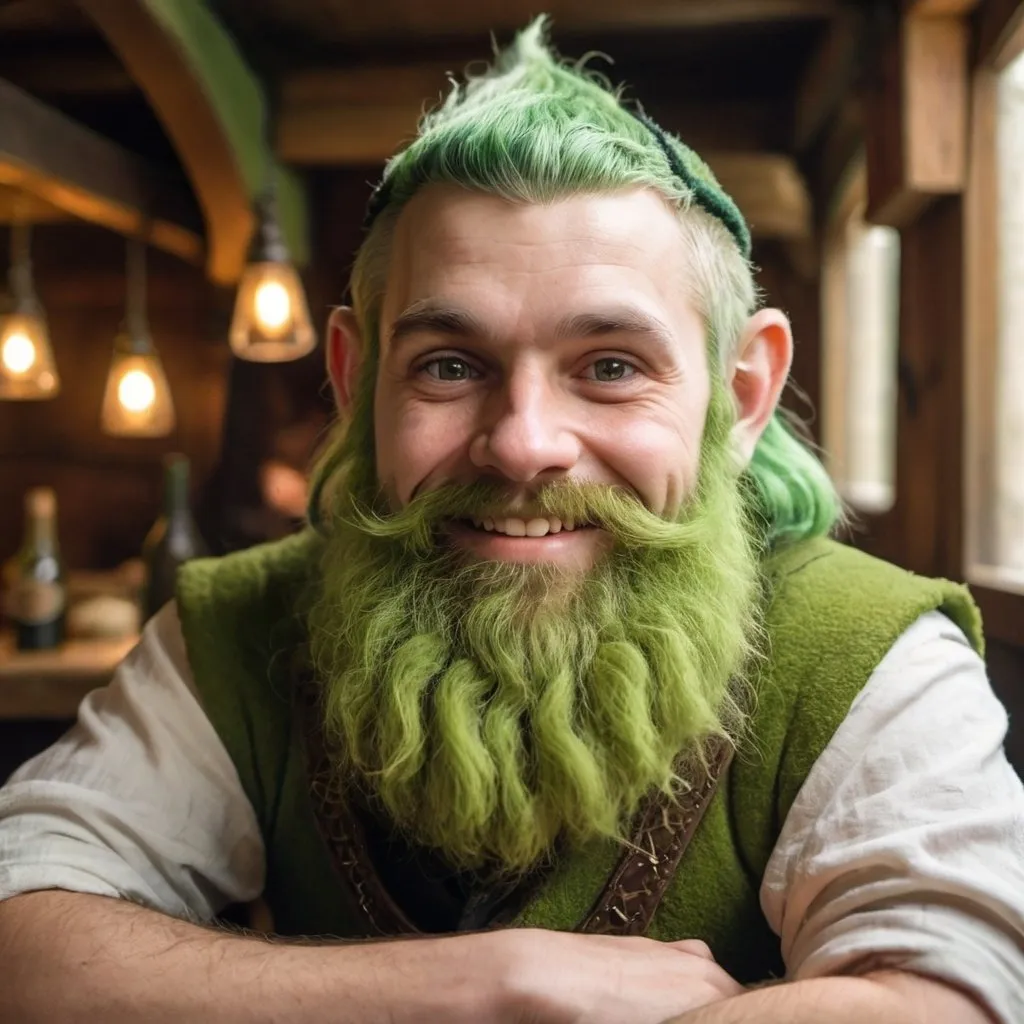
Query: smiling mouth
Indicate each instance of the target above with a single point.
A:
(539, 526)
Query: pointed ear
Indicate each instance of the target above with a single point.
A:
(344, 355)
(757, 376)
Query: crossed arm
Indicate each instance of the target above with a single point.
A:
(73, 957)
(894, 997)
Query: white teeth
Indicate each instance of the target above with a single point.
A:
(512, 526)
(569, 524)
(515, 527)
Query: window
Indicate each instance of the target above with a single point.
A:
(1007, 526)
(995, 329)
(861, 329)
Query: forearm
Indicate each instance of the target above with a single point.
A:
(884, 998)
(71, 957)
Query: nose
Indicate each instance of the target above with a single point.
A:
(526, 433)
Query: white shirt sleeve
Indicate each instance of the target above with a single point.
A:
(905, 845)
(139, 799)
(906, 840)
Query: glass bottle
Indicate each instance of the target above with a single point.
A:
(173, 539)
(36, 593)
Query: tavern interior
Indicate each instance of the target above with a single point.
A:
(864, 141)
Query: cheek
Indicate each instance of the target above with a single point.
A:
(656, 454)
(419, 442)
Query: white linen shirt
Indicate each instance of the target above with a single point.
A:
(905, 845)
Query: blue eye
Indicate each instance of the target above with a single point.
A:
(609, 369)
(449, 368)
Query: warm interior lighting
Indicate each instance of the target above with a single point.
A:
(271, 322)
(27, 369)
(273, 307)
(19, 353)
(137, 401)
(136, 391)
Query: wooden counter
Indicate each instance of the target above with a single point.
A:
(51, 684)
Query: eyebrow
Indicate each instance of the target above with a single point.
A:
(622, 319)
(425, 316)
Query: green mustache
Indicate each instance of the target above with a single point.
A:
(615, 509)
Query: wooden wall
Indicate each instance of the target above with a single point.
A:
(109, 489)
(799, 296)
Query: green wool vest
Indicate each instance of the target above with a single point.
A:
(833, 614)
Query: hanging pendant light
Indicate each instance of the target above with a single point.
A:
(137, 400)
(271, 321)
(27, 368)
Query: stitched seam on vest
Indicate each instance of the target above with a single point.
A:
(341, 832)
(663, 832)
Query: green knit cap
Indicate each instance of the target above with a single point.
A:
(533, 127)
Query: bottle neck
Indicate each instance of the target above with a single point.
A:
(176, 489)
(41, 534)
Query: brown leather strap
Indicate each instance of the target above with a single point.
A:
(341, 830)
(664, 830)
(628, 900)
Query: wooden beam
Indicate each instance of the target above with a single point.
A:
(16, 205)
(840, 146)
(933, 8)
(917, 119)
(47, 154)
(588, 14)
(213, 108)
(355, 116)
(392, 19)
(770, 192)
(999, 33)
(44, 71)
(828, 77)
(362, 115)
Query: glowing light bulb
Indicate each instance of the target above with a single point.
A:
(273, 306)
(19, 353)
(136, 391)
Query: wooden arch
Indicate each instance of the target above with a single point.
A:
(212, 107)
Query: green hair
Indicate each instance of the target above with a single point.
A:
(535, 129)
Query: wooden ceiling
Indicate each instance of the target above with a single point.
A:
(347, 22)
(729, 68)
(351, 76)
(741, 80)
(728, 47)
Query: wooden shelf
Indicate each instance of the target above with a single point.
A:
(51, 684)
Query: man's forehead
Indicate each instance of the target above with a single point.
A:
(449, 217)
(448, 237)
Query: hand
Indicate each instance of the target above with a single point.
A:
(565, 978)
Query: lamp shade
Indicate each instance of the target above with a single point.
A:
(27, 367)
(271, 321)
(137, 399)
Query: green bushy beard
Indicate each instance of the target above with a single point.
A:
(493, 708)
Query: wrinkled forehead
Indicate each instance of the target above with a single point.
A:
(541, 259)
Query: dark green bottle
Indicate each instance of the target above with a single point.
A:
(173, 539)
(36, 595)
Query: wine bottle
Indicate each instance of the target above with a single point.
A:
(36, 595)
(173, 539)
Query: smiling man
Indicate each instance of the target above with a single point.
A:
(564, 686)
